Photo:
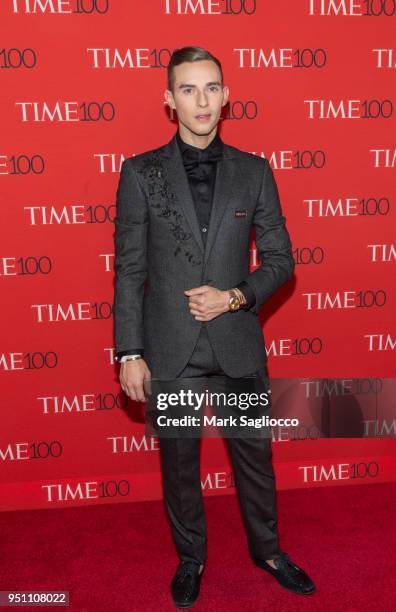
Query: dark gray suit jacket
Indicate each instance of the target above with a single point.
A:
(159, 253)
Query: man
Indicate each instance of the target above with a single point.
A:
(186, 305)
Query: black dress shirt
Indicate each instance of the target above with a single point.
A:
(201, 167)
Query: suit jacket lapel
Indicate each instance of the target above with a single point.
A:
(177, 177)
(225, 178)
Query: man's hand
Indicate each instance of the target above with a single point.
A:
(207, 303)
(133, 373)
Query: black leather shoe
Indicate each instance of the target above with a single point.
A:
(288, 574)
(186, 583)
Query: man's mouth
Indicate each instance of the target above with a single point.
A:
(203, 117)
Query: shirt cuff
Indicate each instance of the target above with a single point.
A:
(128, 353)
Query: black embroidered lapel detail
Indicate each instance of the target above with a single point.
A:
(162, 199)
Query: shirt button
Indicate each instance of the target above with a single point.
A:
(204, 229)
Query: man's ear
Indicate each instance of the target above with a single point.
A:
(169, 99)
(226, 93)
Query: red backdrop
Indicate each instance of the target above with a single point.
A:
(312, 89)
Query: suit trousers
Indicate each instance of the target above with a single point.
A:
(253, 474)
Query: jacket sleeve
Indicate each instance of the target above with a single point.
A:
(272, 241)
(130, 262)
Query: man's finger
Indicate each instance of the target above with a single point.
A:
(196, 300)
(196, 312)
(139, 393)
(197, 290)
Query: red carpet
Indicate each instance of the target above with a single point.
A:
(107, 556)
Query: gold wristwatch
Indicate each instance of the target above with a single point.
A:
(236, 299)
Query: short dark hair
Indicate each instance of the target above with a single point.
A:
(189, 54)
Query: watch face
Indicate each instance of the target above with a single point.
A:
(234, 303)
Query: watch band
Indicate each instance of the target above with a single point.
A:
(241, 296)
(130, 350)
(129, 358)
(248, 293)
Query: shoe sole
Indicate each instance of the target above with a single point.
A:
(183, 606)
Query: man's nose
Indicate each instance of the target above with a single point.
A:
(202, 100)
